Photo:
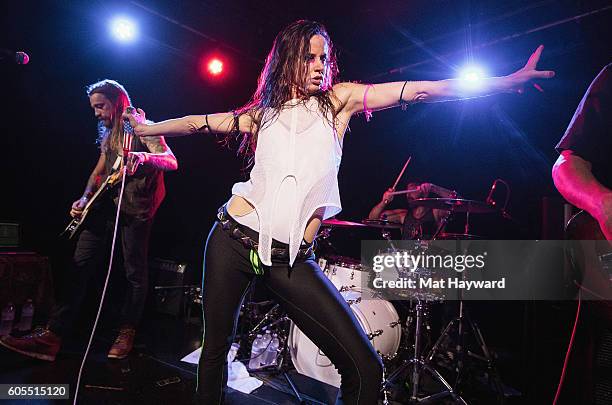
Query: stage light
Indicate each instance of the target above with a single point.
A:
(124, 29)
(215, 67)
(472, 77)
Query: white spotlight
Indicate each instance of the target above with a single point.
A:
(472, 77)
(124, 29)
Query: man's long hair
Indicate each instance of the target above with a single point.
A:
(110, 138)
(285, 70)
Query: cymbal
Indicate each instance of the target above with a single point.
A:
(333, 222)
(454, 205)
(381, 223)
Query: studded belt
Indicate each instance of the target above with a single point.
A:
(236, 232)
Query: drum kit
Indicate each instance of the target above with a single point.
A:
(397, 329)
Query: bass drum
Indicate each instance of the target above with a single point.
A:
(344, 271)
(377, 317)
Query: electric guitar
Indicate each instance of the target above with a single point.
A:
(590, 255)
(107, 184)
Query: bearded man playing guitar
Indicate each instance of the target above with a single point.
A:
(145, 161)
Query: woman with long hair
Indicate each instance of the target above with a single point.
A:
(292, 129)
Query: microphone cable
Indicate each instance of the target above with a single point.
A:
(128, 131)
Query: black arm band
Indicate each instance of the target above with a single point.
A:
(205, 126)
(402, 103)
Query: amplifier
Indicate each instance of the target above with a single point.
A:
(26, 276)
(167, 285)
(9, 235)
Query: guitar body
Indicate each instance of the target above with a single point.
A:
(76, 222)
(591, 256)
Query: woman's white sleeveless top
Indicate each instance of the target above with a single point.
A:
(295, 173)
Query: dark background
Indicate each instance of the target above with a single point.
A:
(48, 130)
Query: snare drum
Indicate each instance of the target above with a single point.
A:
(377, 317)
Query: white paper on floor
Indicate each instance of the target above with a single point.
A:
(238, 377)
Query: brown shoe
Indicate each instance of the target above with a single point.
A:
(123, 344)
(41, 344)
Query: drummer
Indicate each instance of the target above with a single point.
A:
(417, 222)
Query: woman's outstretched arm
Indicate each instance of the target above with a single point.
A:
(356, 97)
(191, 124)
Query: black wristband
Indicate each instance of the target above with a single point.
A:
(205, 126)
(402, 103)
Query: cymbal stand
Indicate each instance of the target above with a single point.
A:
(421, 365)
(464, 325)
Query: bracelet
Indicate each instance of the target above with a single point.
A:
(236, 127)
(205, 126)
(402, 103)
(368, 113)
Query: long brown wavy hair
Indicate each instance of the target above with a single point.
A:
(285, 71)
(110, 138)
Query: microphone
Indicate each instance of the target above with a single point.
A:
(128, 141)
(128, 134)
(20, 58)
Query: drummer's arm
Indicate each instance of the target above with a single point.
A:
(397, 215)
(377, 210)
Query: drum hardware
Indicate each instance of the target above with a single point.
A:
(377, 332)
(418, 363)
(344, 272)
(324, 234)
(464, 325)
(282, 365)
(491, 201)
(421, 365)
(265, 318)
(454, 205)
(276, 316)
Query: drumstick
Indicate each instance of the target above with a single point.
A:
(404, 191)
(401, 173)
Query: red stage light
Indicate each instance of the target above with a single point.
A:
(215, 67)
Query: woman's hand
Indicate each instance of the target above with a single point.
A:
(137, 119)
(516, 81)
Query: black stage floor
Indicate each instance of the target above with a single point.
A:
(154, 374)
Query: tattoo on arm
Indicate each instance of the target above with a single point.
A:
(160, 156)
